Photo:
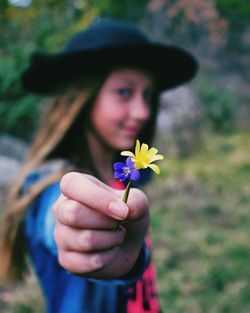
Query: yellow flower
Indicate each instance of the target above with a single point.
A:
(143, 157)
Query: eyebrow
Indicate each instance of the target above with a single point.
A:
(132, 82)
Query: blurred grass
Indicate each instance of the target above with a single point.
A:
(25, 297)
(200, 228)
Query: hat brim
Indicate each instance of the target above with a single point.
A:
(171, 66)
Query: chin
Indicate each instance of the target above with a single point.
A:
(126, 144)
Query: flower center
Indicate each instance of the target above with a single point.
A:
(126, 170)
(145, 159)
(142, 161)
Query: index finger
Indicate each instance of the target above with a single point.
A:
(94, 194)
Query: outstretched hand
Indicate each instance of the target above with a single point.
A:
(86, 213)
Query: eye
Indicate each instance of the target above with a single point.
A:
(124, 92)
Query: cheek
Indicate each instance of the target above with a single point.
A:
(108, 113)
(105, 119)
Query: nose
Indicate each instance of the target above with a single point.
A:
(140, 109)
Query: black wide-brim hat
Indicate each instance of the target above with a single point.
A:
(108, 44)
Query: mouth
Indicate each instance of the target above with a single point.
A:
(131, 130)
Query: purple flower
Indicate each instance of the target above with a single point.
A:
(126, 170)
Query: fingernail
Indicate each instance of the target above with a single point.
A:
(118, 209)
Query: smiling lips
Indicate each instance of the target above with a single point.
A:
(131, 130)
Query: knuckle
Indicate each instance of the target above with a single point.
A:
(69, 211)
(71, 263)
(97, 262)
(54, 209)
(100, 260)
(66, 180)
(87, 239)
(60, 237)
(64, 261)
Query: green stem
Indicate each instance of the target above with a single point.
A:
(124, 199)
(126, 193)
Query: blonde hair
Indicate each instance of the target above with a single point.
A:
(59, 118)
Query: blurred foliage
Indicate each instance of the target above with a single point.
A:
(236, 10)
(200, 223)
(218, 104)
(193, 22)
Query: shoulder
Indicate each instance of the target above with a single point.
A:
(44, 172)
(38, 220)
(43, 192)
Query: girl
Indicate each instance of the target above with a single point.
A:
(105, 86)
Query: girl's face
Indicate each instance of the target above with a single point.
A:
(122, 107)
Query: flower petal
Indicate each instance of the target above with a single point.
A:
(134, 174)
(130, 163)
(157, 157)
(144, 164)
(119, 165)
(155, 168)
(144, 148)
(151, 152)
(118, 175)
(127, 153)
(137, 147)
(137, 166)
